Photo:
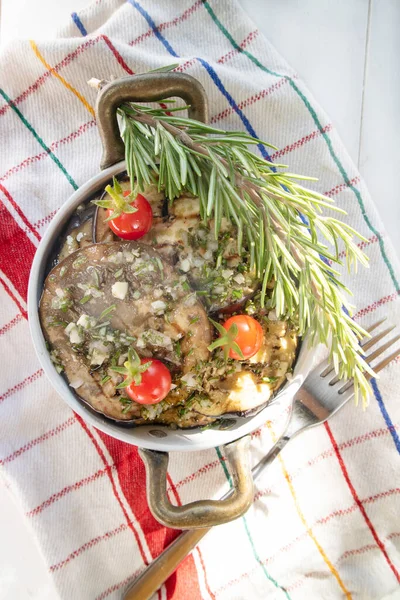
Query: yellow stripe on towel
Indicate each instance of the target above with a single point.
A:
(63, 81)
(310, 532)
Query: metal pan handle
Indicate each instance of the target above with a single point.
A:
(150, 87)
(202, 513)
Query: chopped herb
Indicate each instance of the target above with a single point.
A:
(85, 299)
(194, 320)
(186, 286)
(119, 272)
(58, 324)
(99, 325)
(96, 278)
(189, 333)
(190, 352)
(114, 359)
(270, 379)
(237, 294)
(105, 379)
(79, 262)
(62, 271)
(160, 266)
(140, 269)
(126, 408)
(65, 306)
(177, 348)
(107, 311)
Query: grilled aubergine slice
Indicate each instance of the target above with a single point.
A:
(104, 298)
(213, 267)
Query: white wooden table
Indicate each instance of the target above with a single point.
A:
(347, 52)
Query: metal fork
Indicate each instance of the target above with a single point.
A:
(321, 396)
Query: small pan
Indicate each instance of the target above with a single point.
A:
(154, 441)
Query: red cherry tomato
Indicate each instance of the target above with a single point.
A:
(132, 226)
(249, 338)
(155, 384)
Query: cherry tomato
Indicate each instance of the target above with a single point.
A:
(155, 384)
(249, 338)
(132, 226)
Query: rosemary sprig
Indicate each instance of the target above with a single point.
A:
(280, 223)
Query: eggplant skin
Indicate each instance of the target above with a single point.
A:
(181, 236)
(186, 251)
(151, 282)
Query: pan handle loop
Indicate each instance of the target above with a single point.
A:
(201, 513)
(149, 87)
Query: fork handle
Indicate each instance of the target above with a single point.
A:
(168, 561)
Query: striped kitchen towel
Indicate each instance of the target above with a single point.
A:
(324, 523)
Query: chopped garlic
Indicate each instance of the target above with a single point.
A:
(73, 333)
(226, 273)
(190, 380)
(151, 411)
(155, 338)
(120, 289)
(185, 265)
(198, 262)
(98, 357)
(272, 315)
(157, 293)
(69, 328)
(86, 321)
(191, 299)
(239, 278)
(219, 289)
(158, 306)
(116, 258)
(128, 256)
(80, 235)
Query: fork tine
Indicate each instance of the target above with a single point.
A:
(379, 366)
(385, 362)
(371, 342)
(382, 349)
(365, 346)
(375, 325)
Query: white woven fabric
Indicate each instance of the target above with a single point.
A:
(325, 520)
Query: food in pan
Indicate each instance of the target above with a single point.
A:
(181, 298)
